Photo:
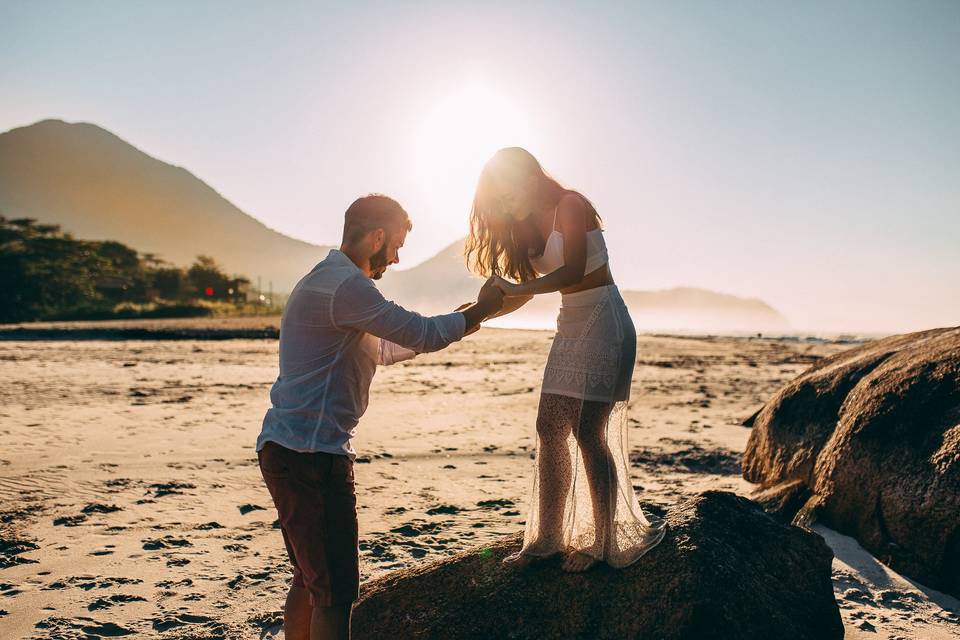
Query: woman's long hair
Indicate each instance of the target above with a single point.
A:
(499, 243)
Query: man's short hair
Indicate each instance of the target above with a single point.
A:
(375, 211)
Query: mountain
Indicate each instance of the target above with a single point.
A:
(98, 187)
(443, 282)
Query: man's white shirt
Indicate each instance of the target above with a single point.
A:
(336, 328)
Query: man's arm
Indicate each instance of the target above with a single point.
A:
(358, 304)
(392, 353)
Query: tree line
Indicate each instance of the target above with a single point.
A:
(47, 274)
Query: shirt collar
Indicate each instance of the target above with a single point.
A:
(339, 257)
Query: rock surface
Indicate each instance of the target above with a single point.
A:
(724, 570)
(868, 443)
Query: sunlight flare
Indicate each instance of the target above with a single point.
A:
(458, 134)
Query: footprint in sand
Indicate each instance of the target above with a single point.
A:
(90, 582)
(412, 529)
(247, 508)
(96, 507)
(170, 488)
(496, 505)
(110, 601)
(62, 627)
(11, 550)
(270, 621)
(183, 619)
(447, 509)
(249, 579)
(166, 542)
(169, 584)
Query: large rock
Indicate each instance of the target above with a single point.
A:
(725, 569)
(868, 443)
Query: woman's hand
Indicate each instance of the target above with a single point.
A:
(509, 289)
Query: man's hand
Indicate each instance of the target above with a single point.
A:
(489, 301)
(474, 329)
(490, 296)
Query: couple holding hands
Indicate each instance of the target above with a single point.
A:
(530, 236)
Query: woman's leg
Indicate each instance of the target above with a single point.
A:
(555, 419)
(591, 435)
(556, 416)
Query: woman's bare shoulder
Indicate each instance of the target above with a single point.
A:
(572, 209)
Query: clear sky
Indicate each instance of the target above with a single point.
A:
(806, 153)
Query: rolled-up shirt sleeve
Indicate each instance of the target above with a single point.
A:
(392, 353)
(358, 304)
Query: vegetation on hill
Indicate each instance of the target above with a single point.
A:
(46, 274)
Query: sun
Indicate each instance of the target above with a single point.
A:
(458, 134)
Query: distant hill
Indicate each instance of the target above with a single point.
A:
(443, 282)
(97, 186)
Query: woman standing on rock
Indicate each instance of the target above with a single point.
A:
(526, 227)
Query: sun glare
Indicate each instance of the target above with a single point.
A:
(459, 134)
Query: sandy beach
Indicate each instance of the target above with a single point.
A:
(131, 502)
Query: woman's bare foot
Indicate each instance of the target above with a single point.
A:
(578, 562)
(531, 554)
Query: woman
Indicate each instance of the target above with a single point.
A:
(525, 226)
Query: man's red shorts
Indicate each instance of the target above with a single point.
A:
(315, 498)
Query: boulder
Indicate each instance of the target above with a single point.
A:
(867, 442)
(725, 569)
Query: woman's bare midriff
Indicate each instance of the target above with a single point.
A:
(599, 278)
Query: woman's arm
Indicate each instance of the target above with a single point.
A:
(511, 304)
(572, 220)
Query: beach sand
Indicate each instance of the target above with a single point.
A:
(130, 499)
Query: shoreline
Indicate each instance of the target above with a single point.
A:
(268, 328)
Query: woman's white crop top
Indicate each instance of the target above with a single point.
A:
(552, 258)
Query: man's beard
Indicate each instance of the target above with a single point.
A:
(378, 263)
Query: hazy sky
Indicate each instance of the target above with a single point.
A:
(806, 153)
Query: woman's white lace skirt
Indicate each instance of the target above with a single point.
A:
(583, 498)
(593, 352)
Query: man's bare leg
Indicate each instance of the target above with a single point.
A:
(331, 623)
(296, 614)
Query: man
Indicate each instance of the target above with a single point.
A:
(336, 328)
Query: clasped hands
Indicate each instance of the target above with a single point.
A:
(491, 296)
(495, 289)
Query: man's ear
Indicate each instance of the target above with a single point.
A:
(378, 238)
